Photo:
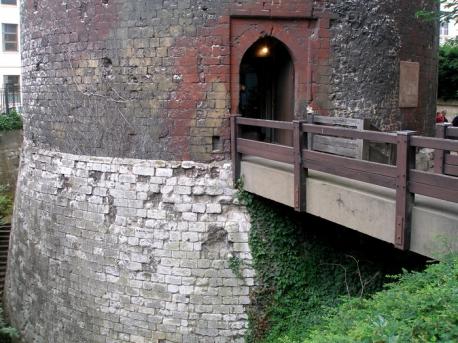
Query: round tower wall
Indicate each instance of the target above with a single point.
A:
(126, 218)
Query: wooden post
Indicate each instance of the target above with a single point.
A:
(310, 120)
(439, 155)
(364, 145)
(404, 198)
(236, 156)
(299, 172)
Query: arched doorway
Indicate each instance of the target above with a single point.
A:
(267, 86)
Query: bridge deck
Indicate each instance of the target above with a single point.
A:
(413, 209)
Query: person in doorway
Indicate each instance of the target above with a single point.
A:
(243, 99)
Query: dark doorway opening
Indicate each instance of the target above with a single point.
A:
(267, 87)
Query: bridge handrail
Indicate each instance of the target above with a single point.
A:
(269, 151)
(273, 124)
(373, 136)
(434, 143)
(444, 163)
(452, 132)
(371, 172)
(403, 177)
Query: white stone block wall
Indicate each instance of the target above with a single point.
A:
(123, 250)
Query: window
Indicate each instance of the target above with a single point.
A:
(9, 2)
(11, 81)
(444, 29)
(11, 92)
(10, 37)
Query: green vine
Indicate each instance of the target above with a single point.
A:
(235, 264)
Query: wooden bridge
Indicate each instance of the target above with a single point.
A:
(393, 201)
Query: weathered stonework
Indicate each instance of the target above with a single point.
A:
(123, 250)
(369, 39)
(125, 247)
(152, 79)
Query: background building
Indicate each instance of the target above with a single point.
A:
(10, 59)
(449, 29)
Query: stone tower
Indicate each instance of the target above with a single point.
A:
(125, 218)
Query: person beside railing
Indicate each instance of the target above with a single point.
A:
(455, 121)
(441, 117)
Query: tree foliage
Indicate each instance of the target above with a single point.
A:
(448, 70)
(448, 11)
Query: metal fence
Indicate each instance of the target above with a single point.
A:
(10, 99)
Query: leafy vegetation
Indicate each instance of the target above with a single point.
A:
(418, 307)
(6, 204)
(235, 264)
(448, 53)
(448, 11)
(7, 333)
(10, 121)
(310, 292)
(448, 70)
(299, 275)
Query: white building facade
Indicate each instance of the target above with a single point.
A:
(10, 58)
(448, 30)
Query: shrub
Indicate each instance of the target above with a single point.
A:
(448, 70)
(7, 333)
(418, 307)
(10, 121)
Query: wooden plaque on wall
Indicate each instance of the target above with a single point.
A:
(409, 84)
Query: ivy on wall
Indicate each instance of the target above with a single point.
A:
(300, 272)
(298, 275)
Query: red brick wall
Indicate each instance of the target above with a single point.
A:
(159, 80)
(308, 43)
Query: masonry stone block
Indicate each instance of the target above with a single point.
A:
(137, 276)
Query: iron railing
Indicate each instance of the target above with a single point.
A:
(10, 99)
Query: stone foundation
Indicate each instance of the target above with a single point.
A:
(123, 250)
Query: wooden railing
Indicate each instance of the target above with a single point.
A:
(403, 177)
(444, 162)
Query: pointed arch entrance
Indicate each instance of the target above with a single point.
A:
(267, 86)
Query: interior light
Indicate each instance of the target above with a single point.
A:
(263, 51)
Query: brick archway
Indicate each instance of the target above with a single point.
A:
(296, 35)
